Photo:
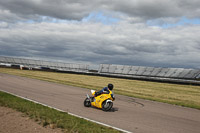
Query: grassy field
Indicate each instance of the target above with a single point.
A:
(184, 95)
(48, 116)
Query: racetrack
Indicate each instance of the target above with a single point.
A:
(132, 114)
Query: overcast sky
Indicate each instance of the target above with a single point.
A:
(159, 33)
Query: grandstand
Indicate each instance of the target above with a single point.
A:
(175, 75)
(172, 75)
(47, 65)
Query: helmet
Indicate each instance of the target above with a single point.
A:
(110, 86)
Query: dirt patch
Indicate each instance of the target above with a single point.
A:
(12, 121)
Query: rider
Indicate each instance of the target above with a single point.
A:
(106, 90)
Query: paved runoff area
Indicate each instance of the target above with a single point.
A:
(128, 113)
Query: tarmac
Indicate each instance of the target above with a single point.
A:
(128, 113)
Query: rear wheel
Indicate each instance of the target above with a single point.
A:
(87, 102)
(106, 106)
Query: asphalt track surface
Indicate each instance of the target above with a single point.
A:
(131, 114)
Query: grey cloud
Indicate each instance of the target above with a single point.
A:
(147, 9)
(96, 43)
(129, 42)
(153, 9)
(77, 9)
(58, 9)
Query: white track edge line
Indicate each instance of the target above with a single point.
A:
(119, 129)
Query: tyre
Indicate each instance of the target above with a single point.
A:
(87, 102)
(106, 106)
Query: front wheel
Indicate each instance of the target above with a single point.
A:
(107, 105)
(87, 102)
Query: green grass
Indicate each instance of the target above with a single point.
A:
(183, 95)
(48, 116)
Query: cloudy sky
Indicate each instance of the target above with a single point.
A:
(159, 33)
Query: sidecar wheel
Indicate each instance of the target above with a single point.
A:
(87, 102)
(107, 106)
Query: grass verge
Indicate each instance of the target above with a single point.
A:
(183, 95)
(48, 116)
